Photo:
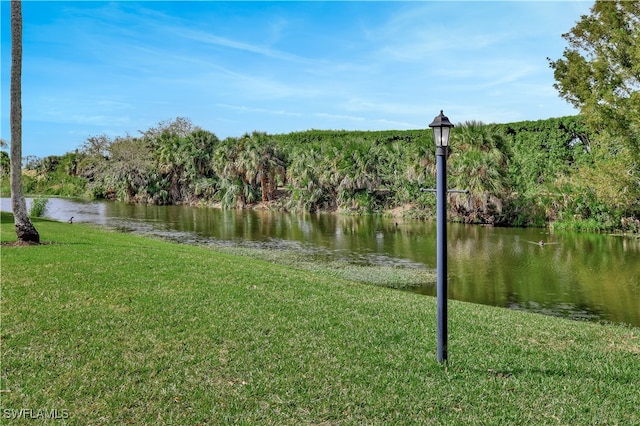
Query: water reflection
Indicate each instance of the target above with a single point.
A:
(586, 276)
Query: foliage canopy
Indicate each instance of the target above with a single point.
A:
(599, 73)
(527, 173)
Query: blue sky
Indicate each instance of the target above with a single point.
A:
(93, 68)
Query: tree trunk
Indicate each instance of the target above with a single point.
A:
(264, 184)
(25, 230)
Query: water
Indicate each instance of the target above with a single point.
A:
(580, 276)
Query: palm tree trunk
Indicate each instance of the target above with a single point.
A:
(25, 230)
(264, 184)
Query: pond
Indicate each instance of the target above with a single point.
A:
(580, 276)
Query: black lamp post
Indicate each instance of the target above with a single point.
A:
(441, 128)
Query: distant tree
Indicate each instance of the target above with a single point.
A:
(599, 72)
(5, 163)
(129, 169)
(25, 230)
(96, 146)
(600, 75)
(180, 127)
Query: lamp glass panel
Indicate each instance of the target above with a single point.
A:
(445, 135)
(437, 135)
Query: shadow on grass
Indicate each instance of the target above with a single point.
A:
(524, 372)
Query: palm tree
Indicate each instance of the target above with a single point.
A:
(359, 177)
(479, 164)
(235, 164)
(268, 162)
(304, 179)
(25, 230)
(203, 144)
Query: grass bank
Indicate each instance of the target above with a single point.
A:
(109, 328)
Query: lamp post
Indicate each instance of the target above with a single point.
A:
(441, 128)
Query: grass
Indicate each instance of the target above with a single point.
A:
(110, 328)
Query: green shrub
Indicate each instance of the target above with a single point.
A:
(38, 207)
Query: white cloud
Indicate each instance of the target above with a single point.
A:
(213, 39)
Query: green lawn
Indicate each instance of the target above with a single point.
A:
(108, 328)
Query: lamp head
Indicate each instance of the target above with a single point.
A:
(441, 128)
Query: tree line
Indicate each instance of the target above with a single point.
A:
(528, 173)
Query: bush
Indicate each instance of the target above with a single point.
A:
(39, 207)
